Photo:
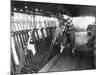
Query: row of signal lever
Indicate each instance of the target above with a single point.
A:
(22, 25)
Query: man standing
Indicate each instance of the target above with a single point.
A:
(65, 31)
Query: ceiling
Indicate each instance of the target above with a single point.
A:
(72, 10)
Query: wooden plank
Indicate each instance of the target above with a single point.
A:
(65, 63)
(83, 61)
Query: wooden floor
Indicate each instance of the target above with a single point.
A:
(67, 62)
